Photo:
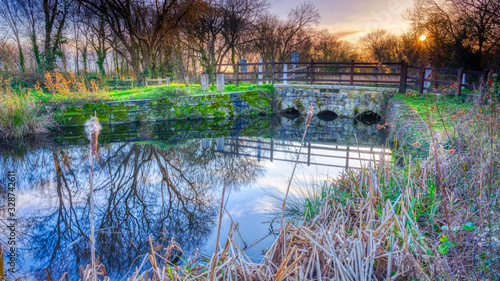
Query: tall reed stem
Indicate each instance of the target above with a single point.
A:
(221, 213)
(310, 113)
(92, 128)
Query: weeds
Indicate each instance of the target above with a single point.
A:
(68, 88)
(20, 116)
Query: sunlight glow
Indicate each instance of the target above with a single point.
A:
(423, 37)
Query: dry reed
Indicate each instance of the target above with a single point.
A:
(92, 129)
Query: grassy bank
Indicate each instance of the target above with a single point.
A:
(151, 92)
(439, 110)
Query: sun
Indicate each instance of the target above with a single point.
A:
(423, 37)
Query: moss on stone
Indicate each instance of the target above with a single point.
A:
(218, 105)
(257, 99)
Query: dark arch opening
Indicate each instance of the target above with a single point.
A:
(290, 113)
(368, 118)
(327, 115)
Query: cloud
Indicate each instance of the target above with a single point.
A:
(346, 33)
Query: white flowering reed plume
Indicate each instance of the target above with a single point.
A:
(92, 129)
(310, 114)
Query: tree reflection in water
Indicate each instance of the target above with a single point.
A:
(142, 190)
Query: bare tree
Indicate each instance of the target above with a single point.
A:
(327, 47)
(139, 27)
(239, 16)
(202, 35)
(381, 46)
(461, 32)
(277, 39)
(10, 13)
(55, 13)
(30, 19)
(296, 32)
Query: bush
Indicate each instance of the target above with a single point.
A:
(20, 116)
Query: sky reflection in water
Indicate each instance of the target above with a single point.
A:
(164, 189)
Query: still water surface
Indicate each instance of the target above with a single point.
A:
(156, 185)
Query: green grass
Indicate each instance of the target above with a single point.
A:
(151, 92)
(440, 110)
(179, 90)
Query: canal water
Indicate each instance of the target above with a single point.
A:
(164, 181)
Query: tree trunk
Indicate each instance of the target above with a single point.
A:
(233, 57)
(63, 57)
(36, 52)
(101, 57)
(84, 60)
(21, 57)
(117, 65)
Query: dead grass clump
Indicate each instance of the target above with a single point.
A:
(70, 87)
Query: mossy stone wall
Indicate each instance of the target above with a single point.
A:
(153, 110)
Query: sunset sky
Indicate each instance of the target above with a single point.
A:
(353, 18)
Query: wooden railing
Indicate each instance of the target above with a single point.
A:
(125, 84)
(402, 75)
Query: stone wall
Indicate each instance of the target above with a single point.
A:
(406, 128)
(152, 110)
(345, 101)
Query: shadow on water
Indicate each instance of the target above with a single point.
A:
(160, 180)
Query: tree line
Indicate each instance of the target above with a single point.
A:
(182, 38)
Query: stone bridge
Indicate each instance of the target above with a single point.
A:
(333, 100)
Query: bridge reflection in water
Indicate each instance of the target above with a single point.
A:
(312, 153)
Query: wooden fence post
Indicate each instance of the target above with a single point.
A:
(459, 81)
(274, 70)
(260, 70)
(237, 73)
(285, 75)
(352, 74)
(428, 76)
(204, 81)
(484, 82)
(404, 77)
(421, 80)
(312, 73)
(220, 82)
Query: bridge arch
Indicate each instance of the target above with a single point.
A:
(327, 115)
(368, 117)
(291, 113)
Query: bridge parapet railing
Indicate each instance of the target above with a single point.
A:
(400, 75)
